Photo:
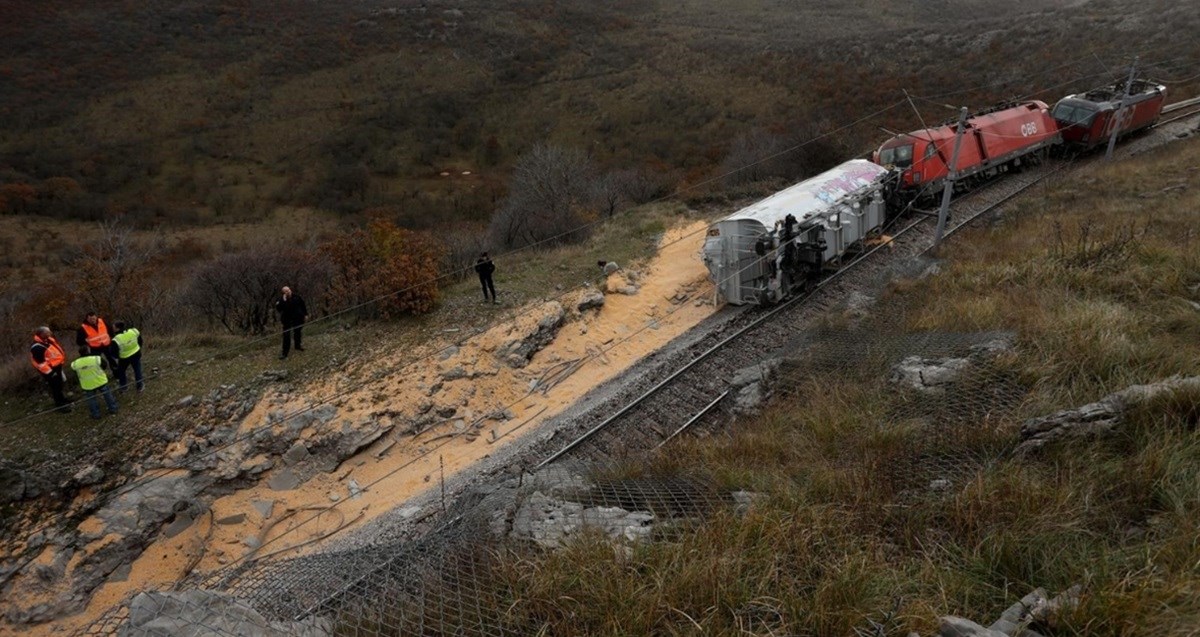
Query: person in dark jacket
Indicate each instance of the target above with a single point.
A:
(292, 315)
(129, 355)
(484, 268)
(48, 358)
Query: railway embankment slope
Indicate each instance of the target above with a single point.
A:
(1019, 424)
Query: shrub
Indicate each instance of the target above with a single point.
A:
(384, 270)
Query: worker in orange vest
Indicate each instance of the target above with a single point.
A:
(94, 335)
(48, 357)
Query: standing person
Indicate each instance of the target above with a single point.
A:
(93, 334)
(48, 358)
(292, 315)
(484, 268)
(129, 354)
(92, 379)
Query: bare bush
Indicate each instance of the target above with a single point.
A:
(608, 195)
(551, 194)
(238, 290)
(463, 242)
(641, 186)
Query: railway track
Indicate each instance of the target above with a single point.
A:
(695, 394)
(1189, 108)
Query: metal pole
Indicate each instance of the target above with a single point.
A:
(951, 175)
(1118, 115)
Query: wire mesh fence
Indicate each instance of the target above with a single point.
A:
(945, 397)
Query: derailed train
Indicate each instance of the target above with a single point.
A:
(766, 251)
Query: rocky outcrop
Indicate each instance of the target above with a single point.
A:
(591, 299)
(518, 352)
(198, 613)
(549, 521)
(1099, 419)
(214, 455)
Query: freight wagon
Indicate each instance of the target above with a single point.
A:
(769, 249)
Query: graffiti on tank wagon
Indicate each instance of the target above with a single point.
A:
(850, 180)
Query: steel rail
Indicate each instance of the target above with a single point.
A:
(1176, 118)
(1174, 106)
(999, 202)
(693, 419)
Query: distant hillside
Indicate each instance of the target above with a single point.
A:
(187, 111)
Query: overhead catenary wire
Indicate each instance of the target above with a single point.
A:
(216, 449)
(488, 326)
(141, 481)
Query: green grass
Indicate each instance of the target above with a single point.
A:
(839, 540)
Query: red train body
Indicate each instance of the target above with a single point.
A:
(992, 142)
(1087, 119)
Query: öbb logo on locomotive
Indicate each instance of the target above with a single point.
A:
(775, 247)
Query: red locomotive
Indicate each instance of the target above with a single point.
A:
(1087, 119)
(993, 141)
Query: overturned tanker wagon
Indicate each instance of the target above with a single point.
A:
(768, 250)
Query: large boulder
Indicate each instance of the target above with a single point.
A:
(751, 386)
(589, 300)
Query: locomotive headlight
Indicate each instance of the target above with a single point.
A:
(916, 177)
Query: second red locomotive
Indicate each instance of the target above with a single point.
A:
(1087, 119)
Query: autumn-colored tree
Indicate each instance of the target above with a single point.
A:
(384, 271)
(16, 198)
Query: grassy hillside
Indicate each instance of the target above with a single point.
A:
(183, 112)
(873, 508)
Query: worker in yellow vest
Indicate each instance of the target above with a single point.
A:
(93, 380)
(129, 354)
(48, 357)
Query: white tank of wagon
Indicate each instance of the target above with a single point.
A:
(747, 253)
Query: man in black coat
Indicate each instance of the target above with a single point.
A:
(484, 268)
(292, 315)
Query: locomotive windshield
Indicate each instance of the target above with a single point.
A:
(898, 156)
(1071, 114)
